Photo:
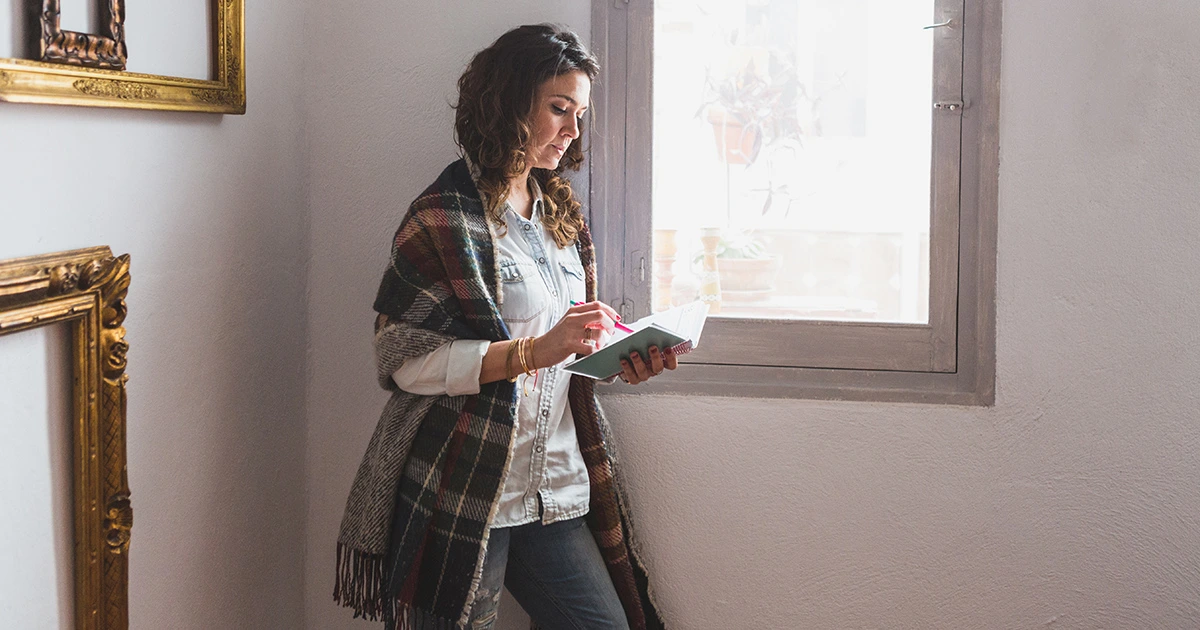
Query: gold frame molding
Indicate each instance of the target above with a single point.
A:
(105, 50)
(29, 81)
(85, 289)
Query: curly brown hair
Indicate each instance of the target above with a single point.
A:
(492, 120)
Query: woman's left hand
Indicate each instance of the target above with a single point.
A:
(636, 370)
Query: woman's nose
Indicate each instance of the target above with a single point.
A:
(572, 128)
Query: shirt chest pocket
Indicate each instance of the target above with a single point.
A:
(573, 275)
(524, 292)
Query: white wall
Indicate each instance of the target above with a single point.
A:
(213, 211)
(37, 579)
(1071, 504)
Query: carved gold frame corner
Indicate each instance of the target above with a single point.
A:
(28, 81)
(105, 50)
(85, 290)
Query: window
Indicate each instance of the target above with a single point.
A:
(822, 172)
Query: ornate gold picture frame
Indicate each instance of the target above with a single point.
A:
(29, 81)
(85, 290)
(105, 50)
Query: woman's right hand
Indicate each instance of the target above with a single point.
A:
(572, 333)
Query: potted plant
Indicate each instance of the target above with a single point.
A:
(750, 110)
(733, 111)
(747, 270)
(755, 111)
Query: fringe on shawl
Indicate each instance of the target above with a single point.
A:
(360, 585)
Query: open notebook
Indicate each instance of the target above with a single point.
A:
(676, 331)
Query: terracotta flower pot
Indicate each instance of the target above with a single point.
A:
(748, 274)
(737, 143)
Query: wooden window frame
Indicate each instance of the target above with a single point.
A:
(950, 360)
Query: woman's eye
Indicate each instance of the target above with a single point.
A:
(558, 110)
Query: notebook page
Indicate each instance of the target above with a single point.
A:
(686, 320)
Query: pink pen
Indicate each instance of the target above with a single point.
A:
(618, 325)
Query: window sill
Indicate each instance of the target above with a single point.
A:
(694, 379)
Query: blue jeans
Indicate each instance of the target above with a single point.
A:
(555, 572)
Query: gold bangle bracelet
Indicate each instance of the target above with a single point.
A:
(521, 355)
(508, 366)
(531, 361)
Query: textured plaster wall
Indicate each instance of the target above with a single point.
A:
(213, 211)
(1070, 504)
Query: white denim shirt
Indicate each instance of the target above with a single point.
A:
(538, 283)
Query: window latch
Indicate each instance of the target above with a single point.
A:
(950, 106)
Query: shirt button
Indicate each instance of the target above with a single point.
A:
(528, 227)
(545, 412)
(538, 449)
(541, 261)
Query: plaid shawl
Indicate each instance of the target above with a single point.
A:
(415, 530)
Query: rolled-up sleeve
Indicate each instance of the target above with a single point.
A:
(452, 369)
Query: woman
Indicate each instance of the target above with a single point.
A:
(491, 465)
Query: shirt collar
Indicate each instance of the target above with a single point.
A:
(534, 189)
(536, 215)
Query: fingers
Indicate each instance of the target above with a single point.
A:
(610, 311)
(588, 307)
(656, 361)
(639, 367)
(636, 370)
(595, 318)
(583, 348)
(593, 337)
(627, 373)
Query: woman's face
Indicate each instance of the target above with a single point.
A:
(558, 111)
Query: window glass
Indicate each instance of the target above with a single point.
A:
(792, 157)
